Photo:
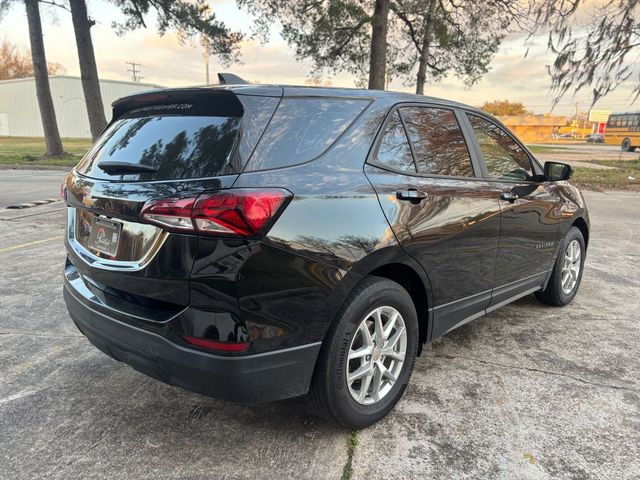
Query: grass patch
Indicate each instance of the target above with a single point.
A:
(547, 149)
(30, 151)
(352, 443)
(626, 176)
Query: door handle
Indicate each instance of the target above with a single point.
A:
(412, 195)
(509, 196)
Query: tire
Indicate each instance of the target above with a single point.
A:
(555, 294)
(330, 391)
(626, 146)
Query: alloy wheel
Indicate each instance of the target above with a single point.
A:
(571, 267)
(376, 355)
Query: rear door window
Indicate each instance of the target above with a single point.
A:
(437, 141)
(302, 129)
(176, 146)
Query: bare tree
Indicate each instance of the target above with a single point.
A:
(378, 56)
(88, 68)
(43, 90)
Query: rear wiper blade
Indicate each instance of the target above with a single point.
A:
(113, 166)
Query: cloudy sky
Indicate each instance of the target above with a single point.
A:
(165, 61)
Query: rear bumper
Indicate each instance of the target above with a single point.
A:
(251, 378)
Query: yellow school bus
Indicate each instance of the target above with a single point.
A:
(623, 129)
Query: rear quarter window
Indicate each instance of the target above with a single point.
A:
(302, 129)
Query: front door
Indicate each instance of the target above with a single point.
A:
(530, 212)
(443, 215)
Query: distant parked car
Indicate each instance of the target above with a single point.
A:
(566, 135)
(595, 138)
(255, 243)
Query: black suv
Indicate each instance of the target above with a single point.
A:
(255, 243)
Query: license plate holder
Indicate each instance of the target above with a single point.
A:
(105, 236)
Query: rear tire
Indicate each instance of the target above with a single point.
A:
(358, 404)
(626, 146)
(565, 280)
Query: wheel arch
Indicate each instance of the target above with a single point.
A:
(409, 279)
(581, 225)
(394, 264)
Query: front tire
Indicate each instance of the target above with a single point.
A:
(567, 271)
(368, 355)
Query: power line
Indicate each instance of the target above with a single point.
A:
(135, 71)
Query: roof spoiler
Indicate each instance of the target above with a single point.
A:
(185, 101)
(231, 79)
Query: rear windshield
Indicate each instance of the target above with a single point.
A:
(302, 129)
(176, 146)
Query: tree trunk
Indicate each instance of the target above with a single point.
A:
(426, 45)
(43, 90)
(378, 56)
(88, 69)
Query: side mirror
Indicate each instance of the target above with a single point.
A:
(555, 171)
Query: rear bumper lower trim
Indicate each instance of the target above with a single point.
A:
(252, 378)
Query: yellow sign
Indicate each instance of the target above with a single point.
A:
(599, 116)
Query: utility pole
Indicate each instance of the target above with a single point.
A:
(135, 71)
(205, 44)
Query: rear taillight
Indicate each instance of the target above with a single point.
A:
(243, 212)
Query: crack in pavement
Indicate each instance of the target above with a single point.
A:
(536, 370)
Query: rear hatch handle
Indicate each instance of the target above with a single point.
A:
(114, 166)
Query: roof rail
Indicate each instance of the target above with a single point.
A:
(231, 79)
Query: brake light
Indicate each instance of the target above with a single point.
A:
(243, 212)
(216, 345)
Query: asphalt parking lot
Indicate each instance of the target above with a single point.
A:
(529, 391)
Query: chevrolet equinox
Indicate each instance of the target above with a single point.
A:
(254, 243)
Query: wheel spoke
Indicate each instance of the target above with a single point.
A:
(366, 382)
(360, 372)
(391, 343)
(385, 372)
(366, 334)
(391, 323)
(391, 353)
(377, 383)
(361, 352)
(379, 331)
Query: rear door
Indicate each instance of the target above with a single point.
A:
(530, 211)
(442, 213)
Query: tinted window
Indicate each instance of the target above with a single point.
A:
(394, 150)
(257, 113)
(179, 147)
(438, 143)
(504, 158)
(302, 129)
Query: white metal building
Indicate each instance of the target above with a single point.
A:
(20, 115)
